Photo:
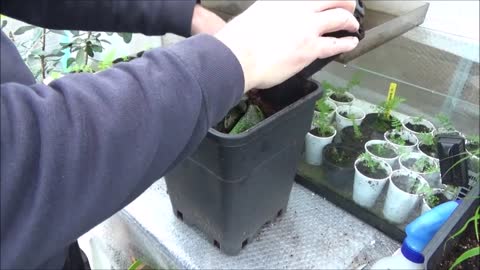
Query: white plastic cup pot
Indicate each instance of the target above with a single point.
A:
(365, 189)
(399, 203)
(339, 103)
(424, 122)
(420, 151)
(330, 116)
(314, 147)
(343, 122)
(433, 178)
(391, 161)
(405, 135)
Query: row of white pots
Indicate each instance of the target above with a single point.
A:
(398, 203)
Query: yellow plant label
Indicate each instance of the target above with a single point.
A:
(391, 94)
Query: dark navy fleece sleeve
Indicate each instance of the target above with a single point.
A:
(150, 17)
(75, 152)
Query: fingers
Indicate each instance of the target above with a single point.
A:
(329, 46)
(335, 20)
(325, 5)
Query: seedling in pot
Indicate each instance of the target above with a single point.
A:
(356, 129)
(382, 150)
(428, 144)
(444, 123)
(425, 165)
(322, 106)
(371, 167)
(323, 127)
(431, 197)
(338, 92)
(384, 121)
(418, 125)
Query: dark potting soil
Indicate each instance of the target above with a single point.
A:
(348, 137)
(379, 173)
(382, 150)
(398, 136)
(467, 240)
(340, 98)
(375, 122)
(341, 157)
(418, 128)
(315, 132)
(401, 182)
(429, 150)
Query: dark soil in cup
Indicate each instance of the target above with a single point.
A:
(378, 123)
(345, 114)
(429, 150)
(403, 183)
(396, 136)
(327, 133)
(382, 150)
(347, 135)
(340, 97)
(420, 128)
(341, 156)
(379, 173)
(467, 240)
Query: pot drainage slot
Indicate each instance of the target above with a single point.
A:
(180, 215)
(216, 244)
(279, 213)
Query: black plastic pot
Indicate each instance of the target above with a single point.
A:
(376, 131)
(233, 184)
(439, 245)
(348, 138)
(339, 175)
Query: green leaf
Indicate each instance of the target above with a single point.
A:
(127, 37)
(23, 29)
(75, 32)
(97, 48)
(4, 23)
(80, 59)
(56, 52)
(465, 256)
(89, 50)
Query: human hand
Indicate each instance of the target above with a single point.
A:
(273, 40)
(205, 21)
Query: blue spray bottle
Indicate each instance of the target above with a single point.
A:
(419, 233)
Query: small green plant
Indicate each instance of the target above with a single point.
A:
(428, 193)
(322, 106)
(425, 165)
(444, 122)
(340, 91)
(323, 126)
(427, 139)
(472, 252)
(369, 162)
(338, 156)
(357, 133)
(380, 149)
(386, 107)
(474, 140)
(396, 124)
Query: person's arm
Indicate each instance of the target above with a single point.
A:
(149, 17)
(76, 151)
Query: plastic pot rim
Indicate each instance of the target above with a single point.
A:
(374, 142)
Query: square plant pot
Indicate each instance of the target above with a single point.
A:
(233, 184)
